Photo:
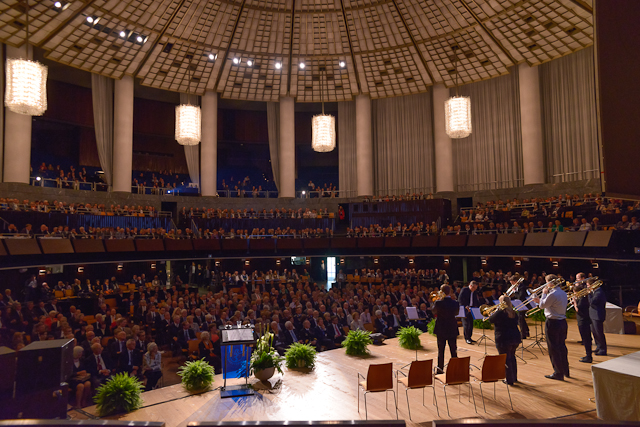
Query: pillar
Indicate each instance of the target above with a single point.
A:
(122, 134)
(531, 125)
(17, 135)
(209, 144)
(287, 149)
(443, 144)
(364, 146)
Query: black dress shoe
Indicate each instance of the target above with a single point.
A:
(473, 341)
(601, 353)
(469, 342)
(508, 383)
(586, 359)
(554, 377)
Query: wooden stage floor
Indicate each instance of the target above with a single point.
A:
(329, 392)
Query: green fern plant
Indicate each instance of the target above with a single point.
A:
(482, 324)
(409, 337)
(298, 354)
(196, 375)
(431, 326)
(120, 394)
(356, 342)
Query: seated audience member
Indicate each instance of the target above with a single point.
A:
(80, 379)
(381, 325)
(152, 366)
(99, 365)
(210, 350)
(130, 361)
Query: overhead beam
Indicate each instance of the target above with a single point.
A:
(148, 53)
(583, 5)
(353, 56)
(64, 23)
(293, 17)
(489, 33)
(226, 51)
(413, 40)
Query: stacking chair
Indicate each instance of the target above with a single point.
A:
(420, 376)
(457, 373)
(493, 370)
(379, 379)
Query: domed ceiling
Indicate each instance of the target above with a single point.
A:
(252, 49)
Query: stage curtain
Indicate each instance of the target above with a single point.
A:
(273, 127)
(570, 130)
(347, 177)
(403, 149)
(192, 152)
(102, 99)
(491, 157)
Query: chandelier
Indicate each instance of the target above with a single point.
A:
(26, 90)
(457, 113)
(188, 119)
(323, 129)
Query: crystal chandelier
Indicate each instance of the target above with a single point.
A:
(457, 113)
(323, 129)
(26, 90)
(188, 119)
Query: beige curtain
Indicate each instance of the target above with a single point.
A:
(273, 128)
(403, 144)
(347, 177)
(192, 152)
(491, 157)
(102, 100)
(568, 98)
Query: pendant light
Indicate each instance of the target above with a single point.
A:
(457, 111)
(323, 128)
(188, 118)
(26, 90)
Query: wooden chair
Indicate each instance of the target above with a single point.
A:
(369, 327)
(457, 373)
(420, 376)
(379, 379)
(493, 370)
(68, 293)
(194, 349)
(59, 294)
(345, 329)
(105, 341)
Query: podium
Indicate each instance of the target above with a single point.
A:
(236, 346)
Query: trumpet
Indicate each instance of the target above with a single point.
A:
(436, 296)
(513, 287)
(536, 293)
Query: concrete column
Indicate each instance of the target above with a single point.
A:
(17, 135)
(443, 144)
(209, 144)
(531, 125)
(364, 146)
(123, 134)
(287, 149)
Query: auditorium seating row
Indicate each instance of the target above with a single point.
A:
(65, 246)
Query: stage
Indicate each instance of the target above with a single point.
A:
(329, 392)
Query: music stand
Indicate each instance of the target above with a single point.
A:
(412, 314)
(477, 315)
(538, 338)
(522, 307)
(236, 336)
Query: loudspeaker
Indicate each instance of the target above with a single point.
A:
(7, 372)
(50, 403)
(43, 365)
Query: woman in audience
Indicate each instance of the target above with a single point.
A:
(152, 366)
(80, 380)
(356, 323)
(210, 351)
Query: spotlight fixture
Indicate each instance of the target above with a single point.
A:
(38, 178)
(42, 272)
(594, 265)
(249, 63)
(80, 269)
(212, 57)
(410, 260)
(217, 263)
(301, 65)
(236, 61)
(120, 267)
(304, 192)
(278, 262)
(518, 263)
(555, 263)
(139, 39)
(342, 64)
(92, 20)
(278, 65)
(123, 34)
(341, 260)
(153, 266)
(58, 5)
(307, 261)
(376, 260)
(246, 262)
(446, 260)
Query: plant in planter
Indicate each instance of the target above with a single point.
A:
(120, 394)
(265, 360)
(409, 338)
(300, 355)
(197, 375)
(431, 326)
(356, 342)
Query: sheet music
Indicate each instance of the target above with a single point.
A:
(462, 312)
(476, 313)
(412, 313)
(518, 303)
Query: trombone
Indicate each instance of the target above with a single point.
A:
(535, 293)
(583, 292)
(556, 282)
(513, 287)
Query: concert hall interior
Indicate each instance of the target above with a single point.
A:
(283, 212)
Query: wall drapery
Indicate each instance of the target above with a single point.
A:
(102, 100)
(347, 174)
(273, 126)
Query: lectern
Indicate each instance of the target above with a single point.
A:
(236, 346)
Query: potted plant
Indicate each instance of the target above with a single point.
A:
(409, 338)
(120, 394)
(265, 359)
(356, 342)
(197, 375)
(431, 326)
(300, 355)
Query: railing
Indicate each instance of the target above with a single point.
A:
(492, 185)
(255, 215)
(404, 191)
(80, 210)
(546, 204)
(585, 175)
(38, 181)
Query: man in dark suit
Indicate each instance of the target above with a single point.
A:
(118, 346)
(289, 334)
(581, 306)
(335, 332)
(185, 335)
(521, 293)
(446, 328)
(99, 366)
(598, 313)
(382, 326)
(469, 298)
(130, 360)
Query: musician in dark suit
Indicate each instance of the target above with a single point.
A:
(507, 336)
(446, 328)
(581, 305)
(521, 293)
(469, 298)
(598, 313)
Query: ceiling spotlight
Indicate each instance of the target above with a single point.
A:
(342, 64)
(278, 65)
(140, 39)
(236, 61)
(123, 34)
(301, 65)
(212, 57)
(249, 62)
(58, 4)
(90, 19)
